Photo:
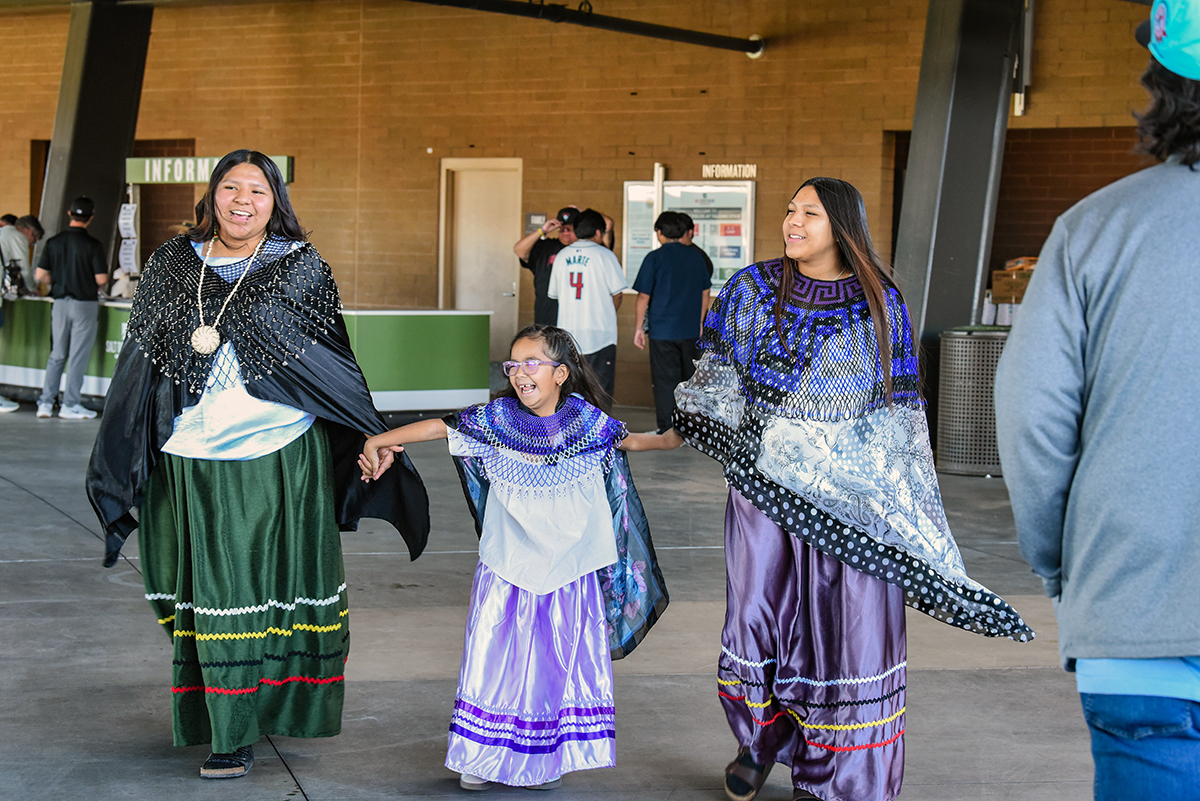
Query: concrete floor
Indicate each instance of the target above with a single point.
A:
(84, 668)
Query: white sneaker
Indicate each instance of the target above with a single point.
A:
(76, 412)
(7, 405)
(469, 781)
(45, 410)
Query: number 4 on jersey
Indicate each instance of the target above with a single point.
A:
(577, 283)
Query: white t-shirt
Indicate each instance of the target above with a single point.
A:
(586, 275)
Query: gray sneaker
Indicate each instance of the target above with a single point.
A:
(76, 412)
(45, 410)
(7, 405)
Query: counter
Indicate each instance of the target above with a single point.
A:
(413, 359)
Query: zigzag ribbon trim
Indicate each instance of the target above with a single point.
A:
(258, 662)
(843, 748)
(258, 635)
(160, 596)
(845, 726)
(770, 700)
(810, 704)
(511, 734)
(245, 610)
(833, 682)
(812, 682)
(262, 681)
(746, 662)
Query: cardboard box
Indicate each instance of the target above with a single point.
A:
(1008, 286)
(1023, 263)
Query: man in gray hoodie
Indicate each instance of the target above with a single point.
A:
(1097, 410)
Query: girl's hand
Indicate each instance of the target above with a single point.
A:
(671, 439)
(667, 441)
(375, 460)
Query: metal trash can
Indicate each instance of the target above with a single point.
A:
(966, 418)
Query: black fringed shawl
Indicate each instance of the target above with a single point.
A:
(287, 331)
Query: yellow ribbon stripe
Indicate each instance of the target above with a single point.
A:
(162, 621)
(846, 727)
(763, 705)
(726, 683)
(258, 635)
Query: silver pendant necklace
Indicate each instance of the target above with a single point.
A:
(206, 339)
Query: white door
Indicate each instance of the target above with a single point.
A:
(481, 220)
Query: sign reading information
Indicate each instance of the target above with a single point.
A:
(186, 169)
(729, 171)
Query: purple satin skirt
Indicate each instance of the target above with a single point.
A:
(812, 666)
(535, 690)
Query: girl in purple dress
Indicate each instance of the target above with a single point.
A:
(567, 578)
(808, 392)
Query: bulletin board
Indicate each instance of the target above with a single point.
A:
(723, 212)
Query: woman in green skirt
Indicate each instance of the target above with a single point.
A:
(232, 424)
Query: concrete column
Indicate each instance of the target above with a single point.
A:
(97, 113)
(949, 204)
(961, 119)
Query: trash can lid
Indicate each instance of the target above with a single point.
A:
(982, 331)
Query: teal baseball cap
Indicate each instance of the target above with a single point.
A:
(1172, 34)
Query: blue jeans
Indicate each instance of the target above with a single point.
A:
(1146, 748)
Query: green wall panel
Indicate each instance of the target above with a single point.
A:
(421, 351)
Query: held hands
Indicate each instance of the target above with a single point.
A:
(667, 441)
(671, 439)
(375, 459)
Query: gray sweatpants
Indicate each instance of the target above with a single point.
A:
(73, 325)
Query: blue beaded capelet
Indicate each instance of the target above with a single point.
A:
(559, 449)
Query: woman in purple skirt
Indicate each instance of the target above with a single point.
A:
(808, 391)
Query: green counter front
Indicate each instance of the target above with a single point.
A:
(412, 359)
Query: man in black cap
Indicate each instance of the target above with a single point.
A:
(537, 251)
(74, 265)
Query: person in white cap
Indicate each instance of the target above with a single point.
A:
(74, 265)
(1096, 398)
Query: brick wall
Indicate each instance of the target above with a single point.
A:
(32, 45)
(358, 92)
(1046, 171)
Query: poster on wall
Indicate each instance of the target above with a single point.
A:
(723, 212)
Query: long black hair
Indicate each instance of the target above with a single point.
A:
(560, 346)
(283, 222)
(856, 253)
(1171, 125)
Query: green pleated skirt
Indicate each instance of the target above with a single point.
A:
(243, 566)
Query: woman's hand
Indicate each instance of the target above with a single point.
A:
(376, 459)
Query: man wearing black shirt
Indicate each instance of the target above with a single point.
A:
(74, 265)
(537, 254)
